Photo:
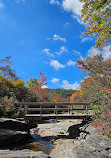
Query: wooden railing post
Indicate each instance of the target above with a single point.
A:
(56, 110)
(69, 109)
(41, 111)
(24, 109)
(72, 110)
(91, 106)
(86, 112)
(87, 109)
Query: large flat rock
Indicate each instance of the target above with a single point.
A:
(22, 154)
(13, 131)
(96, 146)
(15, 125)
(9, 137)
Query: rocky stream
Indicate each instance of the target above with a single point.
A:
(61, 139)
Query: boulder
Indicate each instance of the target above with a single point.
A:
(22, 154)
(88, 129)
(10, 138)
(13, 132)
(96, 146)
(15, 125)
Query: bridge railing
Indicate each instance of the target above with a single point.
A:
(55, 107)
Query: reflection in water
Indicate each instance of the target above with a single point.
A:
(41, 143)
(44, 146)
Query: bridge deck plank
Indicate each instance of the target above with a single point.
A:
(52, 109)
(48, 115)
(36, 117)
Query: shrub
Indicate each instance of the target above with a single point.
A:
(7, 108)
(103, 123)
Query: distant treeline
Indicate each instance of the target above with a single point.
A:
(64, 93)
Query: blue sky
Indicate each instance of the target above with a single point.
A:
(44, 36)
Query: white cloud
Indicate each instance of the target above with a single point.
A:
(77, 52)
(70, 62)
(55, 80)
(57, 37)
(78, 19)
(1, 4)
(62, 50)
(47, 52)
(86, 39)
(93, 51)
(75, 6)
(54, 2)
(56, 64)
(72, 5)
(106, 52)
(66, 85)
(81, 57)
(44, 86)
(66, 24)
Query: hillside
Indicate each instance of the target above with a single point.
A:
(64, 93)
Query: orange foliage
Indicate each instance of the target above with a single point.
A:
(75, 96)
(58, 98)
(41, 92)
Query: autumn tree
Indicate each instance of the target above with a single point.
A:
(76, 96)
(97, 16)
(6, 69)
(31, 82)
(7, 76)
(36, 88)
(20, 90)
(96, 86)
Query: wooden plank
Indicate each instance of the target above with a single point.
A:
(82, 109)
(35, 103)
(31, 117)
(52, 109)
(49, 103)
(43, 115)
(38, 115)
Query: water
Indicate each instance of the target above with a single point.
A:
(41, 143)
(47, 121)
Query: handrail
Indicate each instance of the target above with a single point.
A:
(49, 103)
(41, 106)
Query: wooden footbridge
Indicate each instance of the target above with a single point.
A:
(35, 111)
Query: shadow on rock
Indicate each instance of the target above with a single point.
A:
(14, 133)
(75, 130)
